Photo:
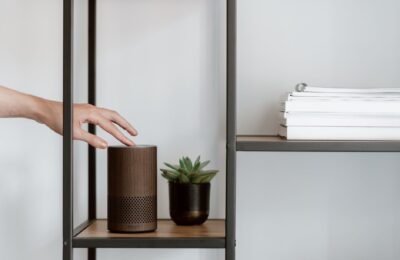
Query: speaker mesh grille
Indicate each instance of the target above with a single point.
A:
(132, 210)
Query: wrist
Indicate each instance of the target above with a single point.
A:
(39, 109)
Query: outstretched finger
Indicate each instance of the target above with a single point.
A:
(119, 120)
(91, 139)
(114, 131)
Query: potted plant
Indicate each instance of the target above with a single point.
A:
(189, 190)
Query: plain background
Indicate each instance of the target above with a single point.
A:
(161, 63)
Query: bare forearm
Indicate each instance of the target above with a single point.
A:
(17, 104)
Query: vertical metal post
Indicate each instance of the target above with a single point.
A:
(92, 100)
(67, 128)
(231, 133)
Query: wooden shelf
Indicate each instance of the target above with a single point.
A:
(168, 235)
(276, 143)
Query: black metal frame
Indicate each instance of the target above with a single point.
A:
(67, 129)
(70, 240)
(230, 228)
(92, 25)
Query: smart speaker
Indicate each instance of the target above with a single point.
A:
(132, 188)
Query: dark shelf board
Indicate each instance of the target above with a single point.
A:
(275, 143)
(168, 235)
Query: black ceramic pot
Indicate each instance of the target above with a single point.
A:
(189, 204)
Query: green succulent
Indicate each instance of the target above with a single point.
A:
(188, 172)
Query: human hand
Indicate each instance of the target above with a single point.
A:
(50, 113)
(85, 113)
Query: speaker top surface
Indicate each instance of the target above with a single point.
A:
(138, 146)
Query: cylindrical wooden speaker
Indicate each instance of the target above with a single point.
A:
(132, 188)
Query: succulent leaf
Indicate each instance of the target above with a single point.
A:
(188, 163)
(209, 177)
(203, 178)
(183, 178)
(209, 171)
(173, 172)
(182, 164)
(196, 164)
(188, 171)
(203, 164)
(175, 167)
(169, 176)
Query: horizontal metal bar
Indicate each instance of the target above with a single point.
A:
(148, 242)
(340, 147)
(317, 146)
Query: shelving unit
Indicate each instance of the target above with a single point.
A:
(93, 233)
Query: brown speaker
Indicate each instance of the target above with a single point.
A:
(132, 188)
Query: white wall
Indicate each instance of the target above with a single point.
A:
(161, 64)
(315, 205)
(30, 155)
(325, 43)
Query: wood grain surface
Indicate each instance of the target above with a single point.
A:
(166, 229)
